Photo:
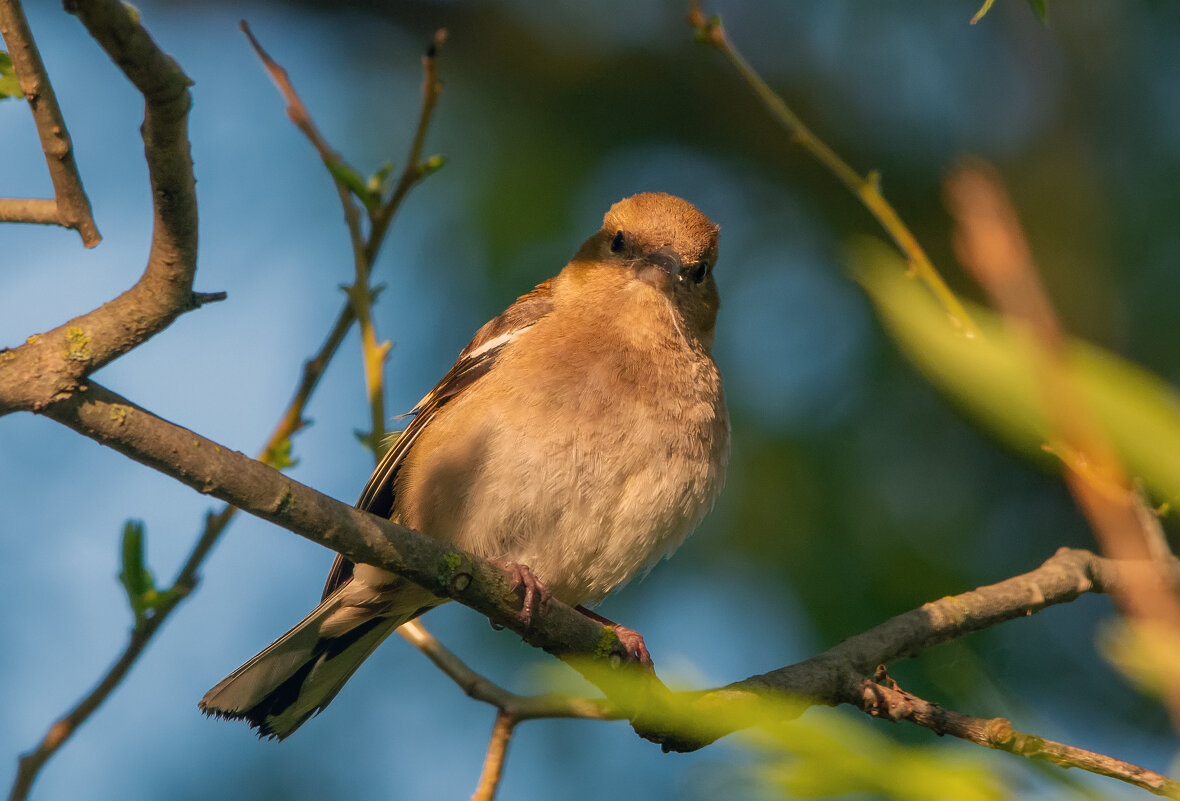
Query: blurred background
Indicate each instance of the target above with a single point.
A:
(855, 493)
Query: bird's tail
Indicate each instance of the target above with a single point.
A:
(298, 674)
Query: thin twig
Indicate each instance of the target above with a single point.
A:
(881, 697)
(865, 187)
(480, 688)
(361, 293)
(493, 763)
(992, 245)
(70, 205)
(415, 168)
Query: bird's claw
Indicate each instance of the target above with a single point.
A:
(536, 594)
(633, 641)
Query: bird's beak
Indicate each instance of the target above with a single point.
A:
(660, 268)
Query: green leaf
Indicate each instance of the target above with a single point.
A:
(353, 182)
(135, 577)
(279, 457)
(376, 184)
(8, 83)
(1041, 9)
(992, 375)
(432, 164)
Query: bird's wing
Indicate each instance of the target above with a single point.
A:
(474, 362)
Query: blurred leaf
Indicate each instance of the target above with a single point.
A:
(830, 753)
(1144, 651)
(986, 7)
(991, 376)
(136, 579)
(353, 182)
(8, 84)
(1039, 7)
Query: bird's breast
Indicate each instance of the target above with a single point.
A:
(587, 463)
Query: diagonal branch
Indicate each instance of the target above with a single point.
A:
(70, 207)
(360, 293)
(50, 365)
(480, 688)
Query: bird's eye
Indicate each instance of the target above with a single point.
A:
(699, 272)
(617, 243)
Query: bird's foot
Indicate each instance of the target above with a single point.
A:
(632, 640)
(536, 594)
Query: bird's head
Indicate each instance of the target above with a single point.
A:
(667, 243)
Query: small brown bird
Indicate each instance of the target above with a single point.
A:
(581, 436)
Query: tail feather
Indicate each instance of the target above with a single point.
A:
(300, 673)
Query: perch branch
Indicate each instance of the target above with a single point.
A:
(679, 721)
(70, 207)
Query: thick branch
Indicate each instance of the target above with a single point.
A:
(50, 365)
(70, 207)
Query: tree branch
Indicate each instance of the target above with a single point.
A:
(836, 676)
(679, 721)
(493, 763)
(50, 365)
(480, 688)
(881, 697)
(70, 207)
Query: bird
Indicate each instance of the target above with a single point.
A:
(579, 438)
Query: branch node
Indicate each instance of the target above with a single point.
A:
(199, 299)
